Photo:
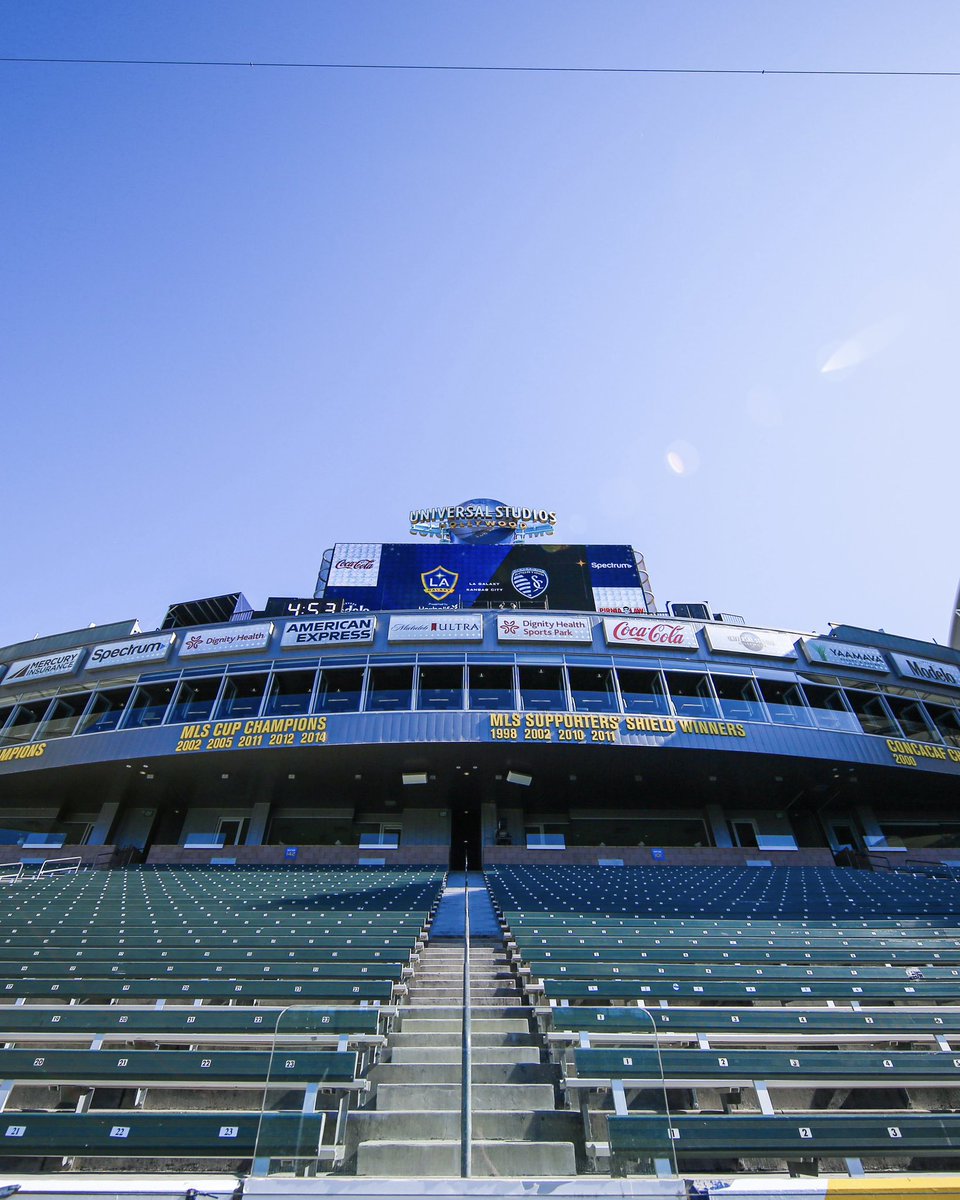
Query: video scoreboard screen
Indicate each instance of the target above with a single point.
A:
(397, 576)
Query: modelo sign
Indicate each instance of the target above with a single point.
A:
(334, 631)
(46, 667)
(530, 627)
(922, 668)
(660, 635)
(228, 639)
(140, 650)
(455, 628)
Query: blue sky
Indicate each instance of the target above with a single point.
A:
(247, 313)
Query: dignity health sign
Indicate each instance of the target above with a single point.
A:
(534, 627)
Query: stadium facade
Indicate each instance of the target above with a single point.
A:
(511, 696)
(711, 891)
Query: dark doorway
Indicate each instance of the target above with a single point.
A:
(465, 837)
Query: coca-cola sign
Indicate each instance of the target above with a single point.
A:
(355, 565)
(648, 631)
(362, 564)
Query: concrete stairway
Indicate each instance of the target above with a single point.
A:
(414, 1128)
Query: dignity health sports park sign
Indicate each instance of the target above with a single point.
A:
(227, 639)
(537, 627)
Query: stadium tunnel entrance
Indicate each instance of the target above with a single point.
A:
(418, 804)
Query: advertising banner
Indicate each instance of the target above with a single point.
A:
(843, 654)
(407, 576)
(45, 667)
(457, 627)
(537, 627)
(139, 650)
(227, 639)
(328, 631)
(619, 600)
(924, 669)
(355, 565)
(735, 639)
(647, 631)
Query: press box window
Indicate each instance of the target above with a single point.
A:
(541, 689)
(105, 711)
(872, 714)
(339, 690)
(290, 693)
(784, 702)
(195, 699)
(947, 721)
(642, 691)
(149, 704)
(389, 689)
(23, 725)
(691, 694)
(242, 696)
(830, 709)
(64, 714)
(491, 688)
(913, 720)
(440, 687)
(738, 698)
(592, 689)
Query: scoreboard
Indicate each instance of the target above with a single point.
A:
(399, 576)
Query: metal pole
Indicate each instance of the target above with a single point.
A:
(466, 1107)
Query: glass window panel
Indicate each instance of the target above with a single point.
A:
(913, 720)
(389, 689)
(242, 696)
(440, 687)
(785, 702)
(23, 725)
(339, 690)
(541, 688)
(872, 714)
(592, 689)
(491, 688)
(290, 693)
(947, 721)
(195, 699)
(148, 705)
(642, 691)
(64, 714)
(738, 698)
(829, 708)
(922, 835)
(690, 694)
(105, 710)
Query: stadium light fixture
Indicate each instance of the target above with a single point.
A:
(518, 778)
(414, 777)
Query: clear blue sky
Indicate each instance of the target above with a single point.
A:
(249, 313)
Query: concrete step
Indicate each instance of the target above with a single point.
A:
(490, 1158)
(447, 1012)
(482, 1055)
(449, 1073)
(454, 1025)
(478, 1038)
(488, 1125)
(440, 1097)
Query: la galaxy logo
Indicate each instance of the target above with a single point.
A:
(530, 582)
(439, 583)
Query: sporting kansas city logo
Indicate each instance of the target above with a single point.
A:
(439, 583)
(530, 582)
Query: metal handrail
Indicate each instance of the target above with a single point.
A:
(466, 1057)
